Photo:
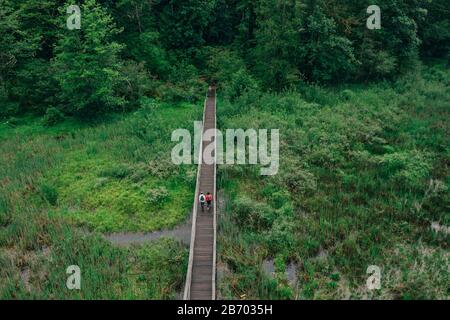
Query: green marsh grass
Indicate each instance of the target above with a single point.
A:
(363, 175)
(61, 186)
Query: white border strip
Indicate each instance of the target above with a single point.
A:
(187, 287)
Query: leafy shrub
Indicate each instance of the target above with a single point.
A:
(13, 121)
(52, 116)
(298, 180)
(138, 175)
(280, 263)
(120, 171)
(146, 48)
(5, 215)
(49, 193)
(191, 90)
(156, 197)
(223, 64)
(183, 71)
(171, 93)
(101, 182)
(347, 94)
(252, 214)
(136, 83)
(379, 63)
(184, 85)
(281, 237)
(128, 203)
(161, 168)
(162, 266)
(406, 168)
(89, 87)
(240, 83)
(190, 177)
(8, 108)
(280, 198)
(36, 88)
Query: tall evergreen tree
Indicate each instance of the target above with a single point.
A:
(435, 29)
(247, 10)
(182, 24)
(389, 50)
(141, 35)
(35, 86)
(224, 23)
(325, 54)
(277, 42)
(87, 63)
(16, 45)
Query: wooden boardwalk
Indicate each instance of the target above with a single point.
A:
(201, 274)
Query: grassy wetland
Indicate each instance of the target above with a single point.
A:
(363, 178)
(63, 187)
(92, 90)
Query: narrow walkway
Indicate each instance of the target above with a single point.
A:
(201, 274)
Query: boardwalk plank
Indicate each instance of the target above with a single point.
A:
(202, 267)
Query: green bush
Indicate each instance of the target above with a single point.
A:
(281, 237)
(120, 171)
(240, 83)
(223, 64)
(49, 193)
(139, 174)
(157, 197)
(13, 121)
(162, 266)
(252, 214)
(171, 93)
(52, 116)
(298, 180)
(280, 198)
(408, 169)
(8, 108)
(347, 94)
(87, 65)
(136, 83)
(128, 204)
(5, 215)
(145, 47)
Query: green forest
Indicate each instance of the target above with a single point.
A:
(87, 112)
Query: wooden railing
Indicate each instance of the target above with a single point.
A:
(187, 287)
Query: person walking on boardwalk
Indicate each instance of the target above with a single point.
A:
(202, 200)
(209, 199)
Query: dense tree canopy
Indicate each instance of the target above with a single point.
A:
(167, 43)
(87, 64)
